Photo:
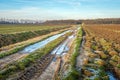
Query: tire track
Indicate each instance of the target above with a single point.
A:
(36, 69)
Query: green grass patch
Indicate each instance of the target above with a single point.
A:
(18, 28)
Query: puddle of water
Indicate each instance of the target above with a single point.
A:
(63, 48)
(41, 44)
(111, 76)
(70, 37)
(93, 71)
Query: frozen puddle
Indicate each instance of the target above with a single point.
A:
(111, 76)
(64, 47)
(41, 44)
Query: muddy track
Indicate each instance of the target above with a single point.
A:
(83, 53)
(12, 58)
(29, 49)
(35, 69)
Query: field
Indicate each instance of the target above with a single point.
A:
(110, 32)
(74, 52)
(18, 28)
(101, 53)
(14, 33)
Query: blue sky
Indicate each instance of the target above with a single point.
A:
(59, 9)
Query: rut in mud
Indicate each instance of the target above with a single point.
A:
(83, 54)
(35, 69)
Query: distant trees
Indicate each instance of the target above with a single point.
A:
(103, 21)
(21, 21)
(87, 21)
(61, 22)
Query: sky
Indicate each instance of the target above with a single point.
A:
(59, 9)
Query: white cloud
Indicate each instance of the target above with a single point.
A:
(36, 13)
(30, 13)
(70, 2)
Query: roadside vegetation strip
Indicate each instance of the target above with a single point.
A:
(20, 65)
(14, 50)
(7, 39)
(74, 74)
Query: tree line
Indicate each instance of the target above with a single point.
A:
(61, 22)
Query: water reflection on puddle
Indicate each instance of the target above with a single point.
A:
(41, 44)
(63, 48)
(111, 76)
